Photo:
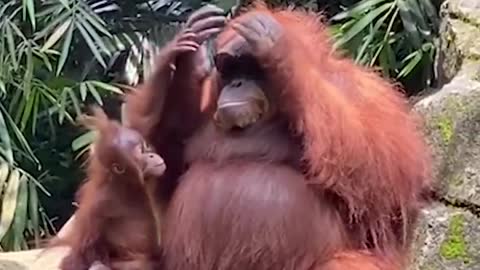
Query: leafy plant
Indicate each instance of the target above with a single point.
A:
(31, 92)
(397, 35)
(56, 58)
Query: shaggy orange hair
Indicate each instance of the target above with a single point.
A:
(361, 141)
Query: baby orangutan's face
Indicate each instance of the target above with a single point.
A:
(151, 163)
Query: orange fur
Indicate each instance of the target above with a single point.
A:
(362, 260)
(114, 220)
(360, 140)
(360, 145)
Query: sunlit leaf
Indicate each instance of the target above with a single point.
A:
(3, 88)
(103, 6)
(36, 182)
(19, 107)
(95, 93)
(360, 7)
(56, 35)
(20, 219)
(52, 52)
(63, 105)
(373, 32)
(65, 3)
(385, 40)
(362, 23)
(83, 91)
(83, 140)
(414, 58)
(173, 7)
(47, 223)
(82, 152)
(76, 103)
(107, 87)
(11, 45)
(53, 24)
(27, 78)
(9, 203)
(18, 134)
(46, 10)
(4, 172)
(35, 112)
(96, 22)
(65, 49)
(3, 51)
(5, 140)
(384, 60)
(16, 96)
(33, 211)
(17, 30)
(29, 5)
(29, 104)
(45, 59)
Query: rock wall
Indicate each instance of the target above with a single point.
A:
(449, 233)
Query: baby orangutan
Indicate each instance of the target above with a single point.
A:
(116, 221)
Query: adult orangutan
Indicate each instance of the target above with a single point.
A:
(287, 155)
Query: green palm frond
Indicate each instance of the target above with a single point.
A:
(397, 35)
(56, 58)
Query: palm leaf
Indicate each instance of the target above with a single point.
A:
(9, 202)
(65, 49)
(56, 35)
(6, 146)
(359, 8)
(29, 6)
(362, 23)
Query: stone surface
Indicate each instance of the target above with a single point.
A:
(453, 128)
(467, 10)
(448, 57)
(467, 38)
(464, 15)
(458, 42)
(448, 237)
(32, 259)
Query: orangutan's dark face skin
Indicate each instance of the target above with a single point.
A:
(241, 102)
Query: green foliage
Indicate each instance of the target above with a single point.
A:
(30, 93)
(57, 57)
(396, 35)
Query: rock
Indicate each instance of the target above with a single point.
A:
(41, 259)
(464, 15)
(458, 42)
(448, 236)
(448, 58)
(32, 259)
(466, 10)
(452, 117)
